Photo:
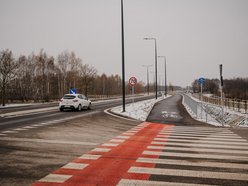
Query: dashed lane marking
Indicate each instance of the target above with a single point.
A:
(32, 140)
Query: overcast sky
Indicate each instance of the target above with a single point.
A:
(195, 35)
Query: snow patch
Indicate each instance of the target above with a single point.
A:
(138, 110)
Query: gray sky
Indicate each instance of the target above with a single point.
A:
(195, 35)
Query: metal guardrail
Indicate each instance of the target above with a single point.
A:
(209, 111)
(232, 104)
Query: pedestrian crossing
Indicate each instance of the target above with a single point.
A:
(193, 156)
(156, 154)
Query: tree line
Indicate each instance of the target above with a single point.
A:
(41, 77)
(235, 88)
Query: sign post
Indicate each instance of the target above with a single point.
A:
(132, 82)
(201, 80)
(221, 92)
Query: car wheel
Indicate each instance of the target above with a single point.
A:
(89, 107)
(61, 109)
(79, 107)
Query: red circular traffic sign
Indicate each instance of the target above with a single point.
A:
(132, 81)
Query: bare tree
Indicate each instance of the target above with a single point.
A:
(7, 71)
(87, 75)
(63, 63)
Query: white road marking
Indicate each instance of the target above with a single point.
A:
(127, 182)
(231, 151)
(29, 127)
(189, 173)
(191, 155)
(110, 144)
(128, 133)
(48, 141)
(191, 163)
(20, 129)
(197, 138)
(117, 140)
(90, 156)
(122, 137)
(200, 145)
(101, 149)
(9, 132)
(202, 141)
(55, 178)
(234, 136)
(78, 166)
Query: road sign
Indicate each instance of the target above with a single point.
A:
(201, 80)
(132, 81)
(73, 91)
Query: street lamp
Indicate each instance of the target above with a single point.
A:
(147, 75)
(123, 60)
(165, 84)
(156, 70)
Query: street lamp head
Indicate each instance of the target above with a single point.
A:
(161, 56)
(149, 38)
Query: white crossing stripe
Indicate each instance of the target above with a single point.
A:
(101, 149)
(2, 134)
(9, 132)
(189, 173)
(191, 163)
(127, 182)
(207, 138)
(122, 137)
(117, 140)
(201, 131)
(110, 144)
(190, 155)
(77, 166)
(128, 133)
(200, 145)
(231, 151)
(232, 136)
(55, 178)
(20, 129)
(90, 156)
(29, 127)
(202, 141)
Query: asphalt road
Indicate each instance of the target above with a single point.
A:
(91, 147)
(11, 118)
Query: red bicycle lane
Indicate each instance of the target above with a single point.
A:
(110, 162)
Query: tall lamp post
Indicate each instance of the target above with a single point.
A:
(147, 75)
(156, 70)
(165, 84)
(123, 60)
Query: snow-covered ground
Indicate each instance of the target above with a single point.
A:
(215, 115)
(138, 110)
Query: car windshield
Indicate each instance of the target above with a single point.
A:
(69, 96)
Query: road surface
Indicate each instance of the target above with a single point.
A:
(97, 149)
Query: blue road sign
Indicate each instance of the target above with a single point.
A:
(201, 80)
(73, 91)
